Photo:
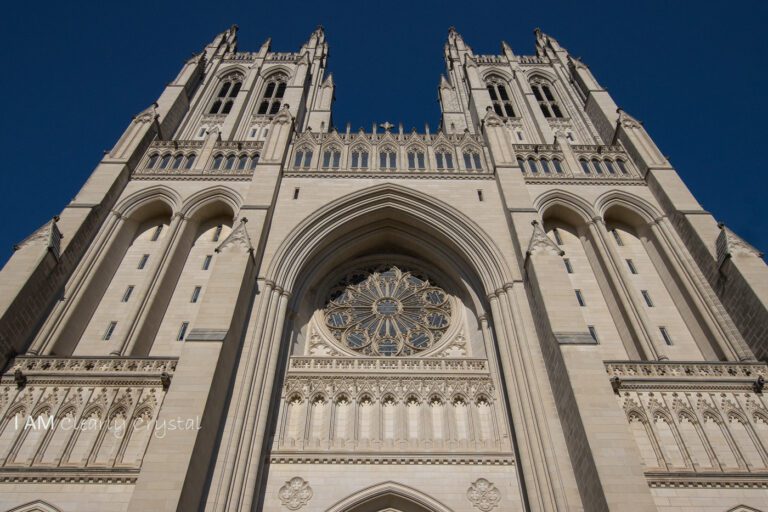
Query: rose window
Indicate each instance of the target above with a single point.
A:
(388, 313)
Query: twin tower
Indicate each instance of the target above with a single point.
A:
(248, 308)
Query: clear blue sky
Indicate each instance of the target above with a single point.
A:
(75, 73)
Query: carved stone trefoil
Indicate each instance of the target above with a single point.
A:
(483, 495)
(295, 493)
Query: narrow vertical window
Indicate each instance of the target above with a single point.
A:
(598, 167)
(617, 237)
(545, 166)
(190, 161)
(665, 335)
(580, 298)
(568, 266)
(143, 261)
(585, 167)
(609, 166)
(127, 293)
(631, 266)
(152, 161)
(195, 294)
(480, 195)
(217, 233)
(217, 161)
(556, 232)
(532, 165)
(110, 330)
(182, 331)
(647, 298)
(622, 166)
(207, 261)
(558, 166)
(157, 232)
(296, 193)
(593, 332)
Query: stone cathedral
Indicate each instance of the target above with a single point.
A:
(249, 308)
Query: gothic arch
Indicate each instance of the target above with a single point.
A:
(495, 72)
(390, 201)
(228, 71)
(568, 206)
(277, 69)
(35, 506)
(389, 494)
(619, 199)
(144, 199)
(218, 196)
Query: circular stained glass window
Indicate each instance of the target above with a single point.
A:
(388, 312)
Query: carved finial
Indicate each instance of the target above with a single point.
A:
(387, 126)
(541, 242)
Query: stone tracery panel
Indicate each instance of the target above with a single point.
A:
(69, 416)
(695, 422)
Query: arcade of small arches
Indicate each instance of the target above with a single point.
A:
(414, 158)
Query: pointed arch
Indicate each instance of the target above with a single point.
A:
(390, 200)
(141, 201)
(388, 494)
(558, 201)
(227, 72)
(35, 506)
(618, 198)
(199, 202)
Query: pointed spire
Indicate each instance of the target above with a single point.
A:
(507, 50)
(237, 237)
(316, 38)
(455, 39)
(328, 82)
(541, 242)
(444, 83)
(266, 46)
(729, 244)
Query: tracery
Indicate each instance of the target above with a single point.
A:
(387, 312)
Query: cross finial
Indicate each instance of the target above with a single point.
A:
(387, 126)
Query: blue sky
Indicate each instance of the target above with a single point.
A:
(75, 73)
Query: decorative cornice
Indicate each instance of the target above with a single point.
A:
(75, 476)
(456, 175)
(392, 459)
(51, 370)
(724, 480)
(685, 375)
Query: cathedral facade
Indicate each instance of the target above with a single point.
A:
(248, 308)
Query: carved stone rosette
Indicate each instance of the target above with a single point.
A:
(483, 495)
(295, 493)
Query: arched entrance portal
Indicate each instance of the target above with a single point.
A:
(360, 417)
(389, 497)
